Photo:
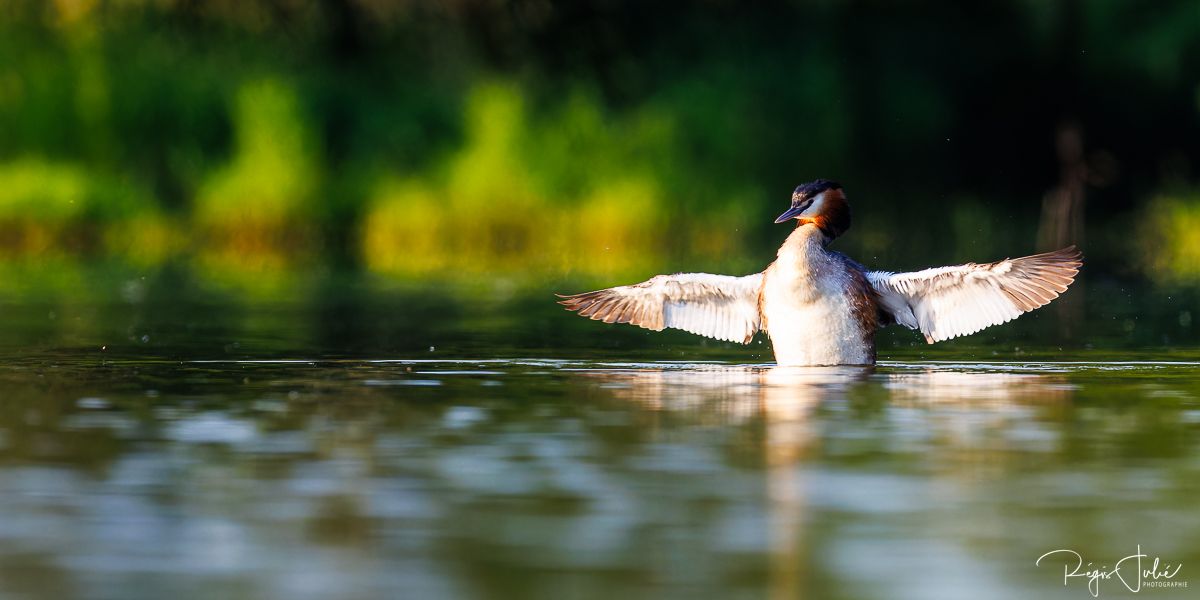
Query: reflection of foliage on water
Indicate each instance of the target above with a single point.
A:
(262, 307)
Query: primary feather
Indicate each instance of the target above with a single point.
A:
(947, 302)
(716, 306)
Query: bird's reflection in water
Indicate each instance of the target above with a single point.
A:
(782, 401)
(789, 394)
(735, 392)
(978, 389)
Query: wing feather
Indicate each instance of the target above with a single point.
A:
(948, 302)
(717, 306)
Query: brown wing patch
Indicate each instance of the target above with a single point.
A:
(762, 314)
(611, 307)
(864, 307)
(1033, 281)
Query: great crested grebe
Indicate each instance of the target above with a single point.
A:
(819, 307)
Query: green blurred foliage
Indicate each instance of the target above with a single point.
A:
(1171, 237)
(49, 192)
(586, 139)
(51, 208)
(273, 173)
(568, 189)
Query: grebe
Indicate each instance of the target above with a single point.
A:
(819, 307)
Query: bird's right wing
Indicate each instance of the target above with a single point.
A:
(716, 306)
(946, 302)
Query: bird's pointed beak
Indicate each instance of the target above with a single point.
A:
(791, 213)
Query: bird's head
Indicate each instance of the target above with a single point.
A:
(822, 203)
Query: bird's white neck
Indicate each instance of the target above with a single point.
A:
(803, 241)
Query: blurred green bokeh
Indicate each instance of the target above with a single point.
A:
(593, 140)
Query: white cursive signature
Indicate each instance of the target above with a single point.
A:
(1074, 567)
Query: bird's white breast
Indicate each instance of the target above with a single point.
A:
(808, 305)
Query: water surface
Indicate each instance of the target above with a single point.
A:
(286, 435)
(298, 477)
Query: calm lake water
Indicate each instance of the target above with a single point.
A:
(159, 439)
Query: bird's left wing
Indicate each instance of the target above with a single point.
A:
(716, 306)
(947, 302)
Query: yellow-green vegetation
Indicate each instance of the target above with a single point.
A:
(1171, 238)
(251, 137)
(262, 201)
(574, 189)
(52, 208)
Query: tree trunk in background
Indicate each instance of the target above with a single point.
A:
(1062, 217)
